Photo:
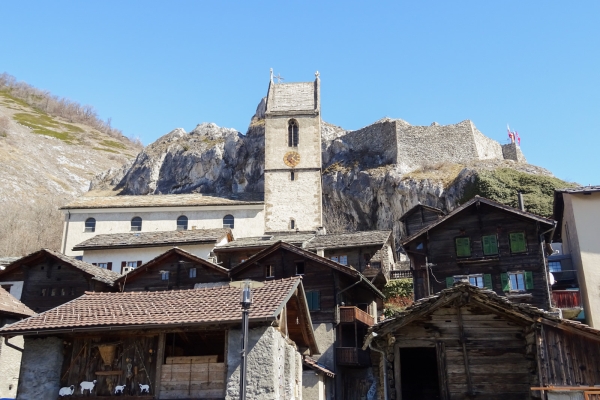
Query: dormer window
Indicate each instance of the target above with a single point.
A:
(136, 224)
(182, 223)
(292, 133)
(90, 225)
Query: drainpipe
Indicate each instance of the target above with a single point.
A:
(383, 356)
(12, 345)
(521, 202)
(66, 231)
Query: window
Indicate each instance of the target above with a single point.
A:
(517, 242)
(63, 291)
(102, 265)
(463, 246)
(136, 224)
(292, 176)
(53, 292)
(517, 281)
(90, 225)
(300, 268)
(478, 280)
(313, 298)
(182, 223)
(132, 264)
(292, 133)
(490, 245)
(269, 271)
(80, 258)
(192, 272)
(554, 266)
(44, 292)
(228, 221)
(292, 223)
(340, 259)
(164, 275)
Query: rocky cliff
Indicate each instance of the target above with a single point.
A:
(367, 185)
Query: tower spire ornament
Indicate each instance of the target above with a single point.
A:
(271, 75)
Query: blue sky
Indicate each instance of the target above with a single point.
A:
(154, 66)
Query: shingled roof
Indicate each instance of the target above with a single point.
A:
(165, 200)
(95, 311)
(11, 306)
(296, 96)
(492, 301)
(351, 239)
(297, 239)
(153, 239)
(100, 274)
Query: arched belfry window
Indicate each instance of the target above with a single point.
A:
(182, 223)
(293, 133)
(136, 224)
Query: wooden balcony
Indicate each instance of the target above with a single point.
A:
(352, 357)
(351, 314)
(566, 298)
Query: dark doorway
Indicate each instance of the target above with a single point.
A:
(419, 373)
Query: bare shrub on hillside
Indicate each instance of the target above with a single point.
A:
(336, 221)
(59, 106)
(26, 227)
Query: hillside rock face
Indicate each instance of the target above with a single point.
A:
(370, 174)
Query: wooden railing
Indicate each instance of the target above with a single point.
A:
(566, 298)
(352, 314)
(399, 274)
(352, 356)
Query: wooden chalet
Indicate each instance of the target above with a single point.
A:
(419, 217)
(46, 279)
(490, 244)
(343, 304)
(470, 343)
(174, 269)
(176, 344)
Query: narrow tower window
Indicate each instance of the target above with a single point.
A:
(292, 176)
(136, 224)
(292, 224)
(293, 133)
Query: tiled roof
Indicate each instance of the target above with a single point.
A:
(97, 273)
(469, 203)
(486, 296)
(126, 310)
(165, 200)
(297, 239)
(150, 239)
(352, 239)
(313, 364)
(10, 305)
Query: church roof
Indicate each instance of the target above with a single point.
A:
(165, 200)
(297, 96)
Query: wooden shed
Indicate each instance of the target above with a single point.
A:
(470, 343)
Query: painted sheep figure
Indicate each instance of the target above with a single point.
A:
(66, 391)
(85, 385)
(144, 388)
(119, 389)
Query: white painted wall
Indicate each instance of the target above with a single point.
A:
(249, 221)
(144, 254)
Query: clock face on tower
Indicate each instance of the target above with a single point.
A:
(291, 158)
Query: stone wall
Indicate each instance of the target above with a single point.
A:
(312, 385)
(10, 363)
(325, 337)
(512, 151)
(274, 366)
(40, 369)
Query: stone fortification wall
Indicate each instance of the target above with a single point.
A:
(512, 151)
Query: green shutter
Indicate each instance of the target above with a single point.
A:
(463, 247)
(487, 281)
(316, 300)
(517, 242)
(490, 245)
(528, 280)
(505, 283)
(449, 281)
(309, 300)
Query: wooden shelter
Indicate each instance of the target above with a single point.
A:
(470, 343)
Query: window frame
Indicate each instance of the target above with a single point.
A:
(137, 228)
(103, 265)
(297, 263)
(293, 135)
(92, 228)
(456, 247)
(495, 236)
(510, 242)
(193, 272)
(180, 226)
(165, 275)
(553, 269)
(229, 217)
(269, 272)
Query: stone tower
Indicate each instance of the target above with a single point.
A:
(293, 157)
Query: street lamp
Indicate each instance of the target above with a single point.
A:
(246, 302)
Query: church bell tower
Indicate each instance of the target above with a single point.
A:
(293, 157)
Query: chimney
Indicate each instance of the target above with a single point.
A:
(521, 203)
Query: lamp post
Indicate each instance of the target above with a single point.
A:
(246, 302)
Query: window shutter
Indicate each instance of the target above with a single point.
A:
(463, 247)
(487, 281)
(139, 263)
(528, 280)
(123, 264)
(505, 283)
(490, 245)
(517, 242)
(449, 281)
(109, 266)
(316, 300)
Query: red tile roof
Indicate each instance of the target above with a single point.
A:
(95, 311)
(314, 365)
(10, 305)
